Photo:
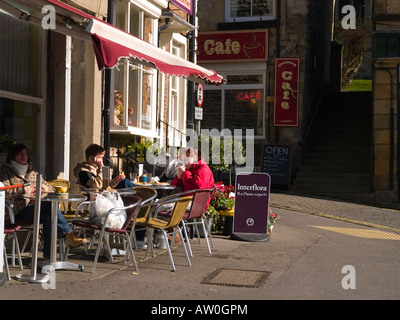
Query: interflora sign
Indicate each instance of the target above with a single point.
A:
(233, 46)
(250, 221)
(286, 109)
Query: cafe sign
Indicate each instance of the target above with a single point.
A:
(286, 108)
(185, 5)
(233, 46)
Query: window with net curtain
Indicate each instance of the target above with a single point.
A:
(248, 10)
(134, 89)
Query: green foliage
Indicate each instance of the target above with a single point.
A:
(221, 152)
(5, 143)
(140, 148)
(359, 85)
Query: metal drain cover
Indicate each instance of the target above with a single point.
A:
(237, 278)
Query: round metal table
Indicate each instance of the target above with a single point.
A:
(55, 199)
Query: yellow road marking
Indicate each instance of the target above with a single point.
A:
(363, 233)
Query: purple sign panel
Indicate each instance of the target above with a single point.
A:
(251, 203)
(185, 5)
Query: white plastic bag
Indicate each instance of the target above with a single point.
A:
(102, 204)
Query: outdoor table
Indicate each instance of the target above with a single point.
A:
(55, 200)
(126, 191)
(163, 190)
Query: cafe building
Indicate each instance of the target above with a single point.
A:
(275, 57)
(80, 72)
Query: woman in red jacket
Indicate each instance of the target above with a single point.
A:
(195, 173)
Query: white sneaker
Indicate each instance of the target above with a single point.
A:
(141, 245)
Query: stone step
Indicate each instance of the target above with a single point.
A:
(364, 168)
(336, 162)
(326, 188)
(349, 154)
(325, 176)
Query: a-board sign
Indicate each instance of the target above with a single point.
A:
(250, 219)
(277, 162)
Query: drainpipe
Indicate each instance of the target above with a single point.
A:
(158, 115)
(278, 50)
(107, 95)
(391, 129)
(398, 132)
(190, 84)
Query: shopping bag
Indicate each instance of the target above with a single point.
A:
(103, 203)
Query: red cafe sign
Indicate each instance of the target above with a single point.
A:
(286, 108)
(233, 46)
(249, 95)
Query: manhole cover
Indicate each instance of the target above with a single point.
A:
(237, 278)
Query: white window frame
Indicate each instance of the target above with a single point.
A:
(177, 89)
(144, 9)
(228, 17)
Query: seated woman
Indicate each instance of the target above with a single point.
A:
(18, 170)
(194, 173)
(90, 174)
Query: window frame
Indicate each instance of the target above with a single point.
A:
(228, 17)
(128, 65)
(226, 86)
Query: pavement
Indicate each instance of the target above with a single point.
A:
(319, 249)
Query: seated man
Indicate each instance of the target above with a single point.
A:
(90, 175)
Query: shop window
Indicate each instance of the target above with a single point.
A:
(22, 106)
(239, 104)
(249, 10)
(387, 46)
(135, 83)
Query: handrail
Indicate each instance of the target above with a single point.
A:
(175, 129)
(304, 140)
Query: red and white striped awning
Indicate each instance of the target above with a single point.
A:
(111, 43)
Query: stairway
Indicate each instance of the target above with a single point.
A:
(337, 160)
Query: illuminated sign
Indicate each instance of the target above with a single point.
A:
(249, 95)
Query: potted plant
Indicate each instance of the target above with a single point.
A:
(5, 144)
(272, 217)
(221, 206)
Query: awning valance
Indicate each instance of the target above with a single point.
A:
(111, 43)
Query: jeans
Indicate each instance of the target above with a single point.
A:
(27, 214)
(124, 183)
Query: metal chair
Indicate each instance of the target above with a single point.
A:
(10, 233)
(172, 223)
(195, 215)
(131, 207)
(148, 195)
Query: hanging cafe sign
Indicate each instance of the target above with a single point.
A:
(286, 108)
(233, 46)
